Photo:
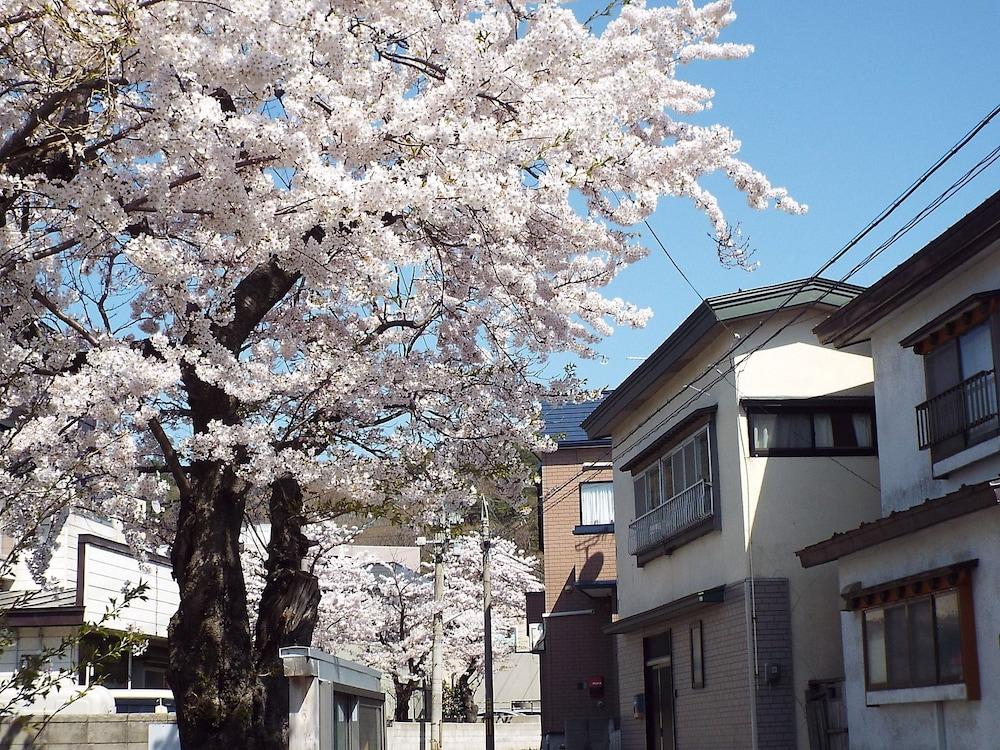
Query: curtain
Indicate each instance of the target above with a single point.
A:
(597, 503)
(824, 430)
(862, 429)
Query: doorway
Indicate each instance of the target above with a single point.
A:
(659, 678)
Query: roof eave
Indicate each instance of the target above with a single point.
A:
(958, 244)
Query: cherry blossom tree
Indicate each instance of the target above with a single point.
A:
(313, 254)
(383, 613)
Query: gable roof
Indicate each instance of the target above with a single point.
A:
(562, 424)
(700, 327)
(954, 247)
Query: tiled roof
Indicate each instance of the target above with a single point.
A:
(562, 423)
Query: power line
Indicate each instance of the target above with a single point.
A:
(881, 217)
(977, 169)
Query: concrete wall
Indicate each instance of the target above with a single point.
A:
(524, 733)
(965, 724)
(906, 471)
(112, 732)
(769, 506)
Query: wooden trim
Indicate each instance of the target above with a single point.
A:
(968, 499)
(967, 314)
(910, 587)
(47, 617)
(967, 630)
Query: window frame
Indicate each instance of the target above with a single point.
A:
(697, 675)
(907, 592)
(595, 528)
(656, 463)
(980, 309)
(811, 407)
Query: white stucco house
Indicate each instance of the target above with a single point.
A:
(920, 584)
(739, 440)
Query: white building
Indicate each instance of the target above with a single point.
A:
(727, 460)
(89, 566)
(921, 584)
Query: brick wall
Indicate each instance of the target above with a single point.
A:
(575, 646)
(775, 702)
(719, 715)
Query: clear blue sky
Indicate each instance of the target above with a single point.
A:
(844, 103)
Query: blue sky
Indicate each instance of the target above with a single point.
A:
(844, 103)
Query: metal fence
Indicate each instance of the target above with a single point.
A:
(961, 408)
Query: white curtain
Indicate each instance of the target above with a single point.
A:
(824, 430)
(862, 429)
(597, 503)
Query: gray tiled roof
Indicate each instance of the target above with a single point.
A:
(562, 423)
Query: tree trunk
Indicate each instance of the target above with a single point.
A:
(404, 693)
(288, 607)
(211, 668)
(467, 693)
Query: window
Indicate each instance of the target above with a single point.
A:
(914, 644)
(597, 503)
(683, 467)
(697, 658)
(357, 723)
(674, 500)
(961, 406)
(811, 428)
(919, 634)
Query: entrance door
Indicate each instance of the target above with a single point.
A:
(659, 693)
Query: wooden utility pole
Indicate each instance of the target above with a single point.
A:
(437, 651)
(488, 629)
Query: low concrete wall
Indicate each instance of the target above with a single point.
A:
(520, 734)
(90, 732)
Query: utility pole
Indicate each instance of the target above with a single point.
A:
(437, 660)
(488, 629)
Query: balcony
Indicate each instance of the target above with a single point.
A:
(681, 512)
(967, 409)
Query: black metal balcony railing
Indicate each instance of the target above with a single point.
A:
(956, 411)
(671, 517)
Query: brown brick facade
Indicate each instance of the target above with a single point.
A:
(719, 714)
(576, 648)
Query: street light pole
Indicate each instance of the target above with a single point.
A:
(488, 629)
(437, 650)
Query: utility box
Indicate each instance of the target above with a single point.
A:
(333, 703)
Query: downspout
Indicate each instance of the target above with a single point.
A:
(750, 592)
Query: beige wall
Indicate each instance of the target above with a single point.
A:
(109, 732)
(770, 507)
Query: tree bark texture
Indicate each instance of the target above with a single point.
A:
(229, 694)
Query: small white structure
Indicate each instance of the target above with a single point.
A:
(334, 704)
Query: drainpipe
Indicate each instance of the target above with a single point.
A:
(942, 736)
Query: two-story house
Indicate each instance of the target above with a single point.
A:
(921, 585)
(737, 440)
(576, 514)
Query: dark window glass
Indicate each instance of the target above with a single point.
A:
(803, 432)
(896, 646)
(921, 642)
(639, 490)
(949, 640)
(914, 644)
